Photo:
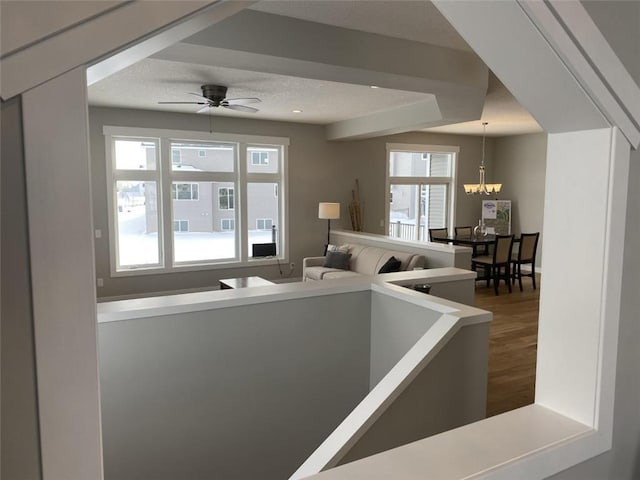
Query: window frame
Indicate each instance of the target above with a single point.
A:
(264, 222)
(180, 225)
(179, 159)
(262, 162)
(232, 223)
(115, 175)
(165, 175)
(191, 190)
(231, 197)
(450, 182)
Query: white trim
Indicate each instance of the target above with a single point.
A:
(420, 148)
(450, 182)
(62, 267)
(148, 28)
(612, 88)
(188, 135)
(165, 176)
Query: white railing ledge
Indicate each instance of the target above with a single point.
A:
(131, 309)
(385, 241)
(532, 442)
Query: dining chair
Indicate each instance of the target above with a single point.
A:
(463, 231)
(438, 235)
(468, 232)
(498, 265)
(526, 255)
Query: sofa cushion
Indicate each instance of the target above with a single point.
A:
(337, 260)
(340, 274)
(318, 273)
(405, 259)
(391, 265)
(366, 260)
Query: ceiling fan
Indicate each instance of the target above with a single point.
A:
(214, 96)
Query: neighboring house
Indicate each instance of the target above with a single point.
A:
(210, 206)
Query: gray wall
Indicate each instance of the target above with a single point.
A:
(234, 393)
(396, 326)
(318, 171)
(19, 437)
(619, 21)
(520, 164)
(312, 163)
(460, 373)
(366, 160)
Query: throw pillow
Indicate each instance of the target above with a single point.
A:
(338, 248)
(339, 260)
(391, 265)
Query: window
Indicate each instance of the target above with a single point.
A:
(135, 219)
(264, 223)
(225, 198)
(181, 225)
(176, 157)
(228, 224)
(179, 210)
(259, 158)
(420, 188)
(184, 191)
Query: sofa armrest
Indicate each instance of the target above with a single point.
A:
(418, 261)
(311, 262)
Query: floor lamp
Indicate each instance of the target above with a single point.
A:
(329, 211)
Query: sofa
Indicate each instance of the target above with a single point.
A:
(365, 260)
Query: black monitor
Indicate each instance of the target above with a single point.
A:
(263, 250)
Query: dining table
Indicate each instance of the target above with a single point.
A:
(471, 240)
(479, 243)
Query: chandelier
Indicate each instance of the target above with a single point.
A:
(482, 188)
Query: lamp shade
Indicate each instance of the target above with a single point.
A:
(328, 210)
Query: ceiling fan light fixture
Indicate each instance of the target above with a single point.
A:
(482, 188)
(214, 96)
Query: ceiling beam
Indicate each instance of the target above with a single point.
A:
(262, 42)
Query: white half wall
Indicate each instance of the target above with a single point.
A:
(233, 393)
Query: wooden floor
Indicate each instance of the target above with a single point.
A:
(512, 344)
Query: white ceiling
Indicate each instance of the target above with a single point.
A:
(143, 84)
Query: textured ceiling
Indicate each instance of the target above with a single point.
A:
(146, 83)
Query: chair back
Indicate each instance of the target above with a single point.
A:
(437, 233)
(466, 231)
(502, 249)
(528, 247)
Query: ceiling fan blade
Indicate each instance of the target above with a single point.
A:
(199, 96)
(241, 108)
(183, 103)
(204, 109)
(242, 101)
